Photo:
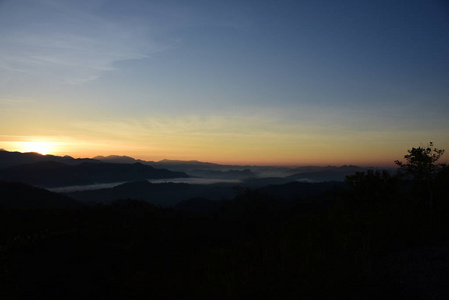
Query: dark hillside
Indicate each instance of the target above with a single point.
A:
(19, 195)
(316, 174)
(253, 246)
(53, 174)
(381, 236)
(164, 194)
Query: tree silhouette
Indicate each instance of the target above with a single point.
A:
(373, 185)
(421, 163)
(421, 168)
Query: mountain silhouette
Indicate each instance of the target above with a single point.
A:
(165, 163)
(254, 176)
(163, 194)
(329, 173)
(8, 159)
(20, 195)
(53, 174)
(230, 174)
(121, 159)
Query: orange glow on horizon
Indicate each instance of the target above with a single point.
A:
(40, 147)
(221, 152)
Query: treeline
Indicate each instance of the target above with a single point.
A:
(332, 245)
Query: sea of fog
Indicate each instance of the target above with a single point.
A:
(76, 188)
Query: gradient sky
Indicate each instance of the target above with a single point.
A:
(257, 82)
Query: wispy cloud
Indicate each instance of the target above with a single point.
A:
(78, 41)
(66, 40)
(18, 100)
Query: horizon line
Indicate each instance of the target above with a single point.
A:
(285, 165)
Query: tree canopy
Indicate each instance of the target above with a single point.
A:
(420, 163)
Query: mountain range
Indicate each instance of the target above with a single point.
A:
(56, 171)
(212, 170)
(132, 175)
(8, 158)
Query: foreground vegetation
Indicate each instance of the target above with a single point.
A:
(334, 245)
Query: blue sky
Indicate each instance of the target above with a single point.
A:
(279, 82)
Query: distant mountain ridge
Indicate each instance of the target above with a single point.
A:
(230, 174)
(165, 163)
(193, 168)
(54, 174)
(214, 170)
(191, 164)
(8, 158)
(329, 173)
(120, 159)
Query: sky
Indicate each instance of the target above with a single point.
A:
(305, 82)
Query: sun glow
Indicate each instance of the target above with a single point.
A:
(37, 146)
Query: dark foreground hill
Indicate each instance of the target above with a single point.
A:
(53, 174)
(163, 194)
(168, 194)
(229, 174)
(301, 190)
(320, 174)
(367, 244)
(19, 195)
(382, 236)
